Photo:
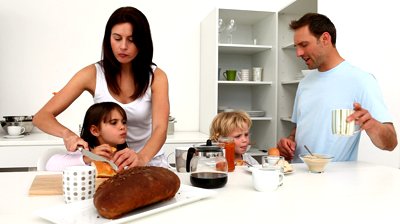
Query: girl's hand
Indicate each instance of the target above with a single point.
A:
(128, 158)
(104, 150)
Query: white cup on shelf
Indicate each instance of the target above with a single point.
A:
(244, 75)
(257, 74)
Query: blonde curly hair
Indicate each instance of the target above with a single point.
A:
(226, 122)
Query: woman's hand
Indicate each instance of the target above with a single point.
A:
(72, 141)
(128, 158)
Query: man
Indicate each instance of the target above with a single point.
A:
(335, 84)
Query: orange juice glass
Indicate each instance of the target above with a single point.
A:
(229, 145)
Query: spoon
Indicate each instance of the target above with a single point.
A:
(309, 151)
(247, 163)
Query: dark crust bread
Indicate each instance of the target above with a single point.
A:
(134, 188)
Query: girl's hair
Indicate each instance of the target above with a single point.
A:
(95, 115)
(226, 122)
(141, 65)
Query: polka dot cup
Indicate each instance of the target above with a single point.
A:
(78, 183)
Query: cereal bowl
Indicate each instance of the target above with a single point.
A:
(316, 163)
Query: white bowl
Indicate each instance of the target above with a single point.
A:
(316, 163)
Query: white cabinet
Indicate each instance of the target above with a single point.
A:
(289, 66)
(253, 45)
(261, 39)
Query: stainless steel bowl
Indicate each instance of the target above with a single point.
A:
(28, 125)
(17, 118)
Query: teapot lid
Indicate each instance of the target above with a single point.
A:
(208, 147)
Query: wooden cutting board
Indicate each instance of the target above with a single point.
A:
(51, 185)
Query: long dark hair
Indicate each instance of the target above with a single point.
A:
(141, 65)
(97, 113)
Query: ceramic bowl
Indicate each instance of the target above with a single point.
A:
(317, 162)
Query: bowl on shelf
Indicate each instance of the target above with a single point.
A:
(316, 163)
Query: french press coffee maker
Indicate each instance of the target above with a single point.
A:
(207, 166)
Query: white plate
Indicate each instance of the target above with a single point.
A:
(85, 212)
(256, 113)
(249, 169)
(13, 136)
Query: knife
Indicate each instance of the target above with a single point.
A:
(96, 157)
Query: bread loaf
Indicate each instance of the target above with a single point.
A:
(134, 188)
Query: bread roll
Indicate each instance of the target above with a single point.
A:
(134, 188)
(103, 169)
(113, 149)
(240, 163)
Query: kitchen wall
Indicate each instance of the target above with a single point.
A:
(45, 42)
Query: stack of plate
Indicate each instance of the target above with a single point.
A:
(256, 113)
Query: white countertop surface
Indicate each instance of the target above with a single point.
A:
(37, 138)
(40, 138)
(348, 192)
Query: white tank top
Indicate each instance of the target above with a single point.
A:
(138, 112)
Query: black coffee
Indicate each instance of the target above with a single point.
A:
(208, 179)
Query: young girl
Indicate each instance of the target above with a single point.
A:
(104, 128)
(234, 124)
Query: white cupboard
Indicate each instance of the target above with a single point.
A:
(258, 40)
(289, 66)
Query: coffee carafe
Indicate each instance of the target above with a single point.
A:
(207, 166)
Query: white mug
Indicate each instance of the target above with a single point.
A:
(339, 124)
(79, 183)
(180, 158)
(15, 130)
(244, 75)
(257, 74)
(267, 179)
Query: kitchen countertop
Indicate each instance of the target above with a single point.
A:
(348, 192)
(23, 153)
(43, 139)
(38, 138)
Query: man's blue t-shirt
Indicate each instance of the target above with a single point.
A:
(321, 92)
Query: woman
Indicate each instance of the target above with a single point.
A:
(125, 75)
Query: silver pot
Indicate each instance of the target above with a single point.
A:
(17, 118)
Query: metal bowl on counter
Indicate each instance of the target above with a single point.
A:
(24, 121)
(17, 118)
